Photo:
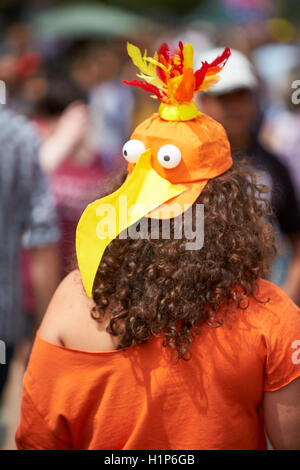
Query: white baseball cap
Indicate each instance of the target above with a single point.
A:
(237, 74)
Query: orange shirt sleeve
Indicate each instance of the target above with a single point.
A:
(283, 347)
(33, 432)
(41, 426)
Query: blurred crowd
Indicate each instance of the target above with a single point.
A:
(62, 128)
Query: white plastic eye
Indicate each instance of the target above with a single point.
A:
(169, 156)
(132, 150)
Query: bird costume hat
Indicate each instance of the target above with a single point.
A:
(171, 155)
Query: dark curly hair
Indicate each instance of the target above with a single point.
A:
(152, 286)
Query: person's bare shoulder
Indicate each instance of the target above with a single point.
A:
(68, 321)
(68, 306)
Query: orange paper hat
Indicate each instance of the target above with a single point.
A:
(171, 155)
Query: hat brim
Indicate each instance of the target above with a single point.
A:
(179, 204)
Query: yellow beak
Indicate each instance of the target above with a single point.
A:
(104, 219)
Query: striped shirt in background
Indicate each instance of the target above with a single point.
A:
(27, 215)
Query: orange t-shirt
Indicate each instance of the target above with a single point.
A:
(139, 398)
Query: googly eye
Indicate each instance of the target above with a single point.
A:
(132, 150)
(169, 156)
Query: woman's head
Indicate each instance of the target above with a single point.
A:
(157, 286)
(60, 93)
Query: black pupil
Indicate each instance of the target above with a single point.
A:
(125, 153)
(166, 158)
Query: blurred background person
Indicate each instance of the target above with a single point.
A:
(234, 102)
(7, 69)
(27, 216)
(280, 131)
(19, 59)
(97, 68)
(68, 155)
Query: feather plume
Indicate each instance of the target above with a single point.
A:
(169, 75)
(145, 86)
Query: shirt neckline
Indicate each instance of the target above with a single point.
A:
(78, 351)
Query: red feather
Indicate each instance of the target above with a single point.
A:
(221, 60)
(163, 53)
(211, 69)
(180, 47)
(161, 74)
(200, 75)
(145, 86)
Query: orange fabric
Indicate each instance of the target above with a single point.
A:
(141, 399)
(204, 146)
(205, 152)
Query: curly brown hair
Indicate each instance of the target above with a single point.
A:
(152, 287)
